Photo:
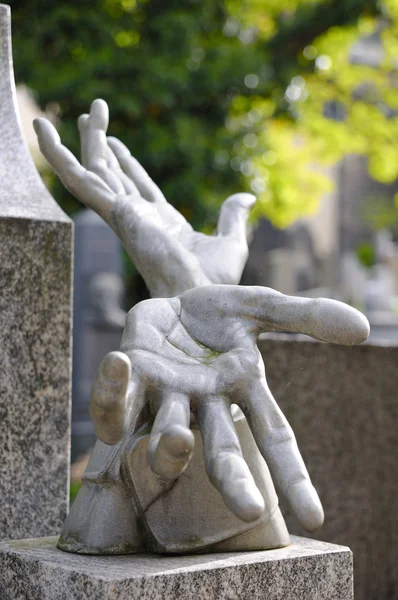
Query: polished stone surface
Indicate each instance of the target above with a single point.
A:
(342, 405)
(35, 332)
(305, 570)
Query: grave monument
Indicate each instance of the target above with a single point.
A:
(188, 360)
(163, 407)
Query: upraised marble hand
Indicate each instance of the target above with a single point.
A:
(169, 254)
(194, 356)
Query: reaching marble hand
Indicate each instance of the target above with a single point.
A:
(169, 254)
(196, 354)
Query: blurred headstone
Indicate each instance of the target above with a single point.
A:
(342, 405)
(98, 315)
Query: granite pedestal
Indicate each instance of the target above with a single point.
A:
(35, 331)
(305, 570)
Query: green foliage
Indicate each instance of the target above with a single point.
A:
(381, 213)
(310, 46)
(165, 68)
(366, 254)
(217, 96)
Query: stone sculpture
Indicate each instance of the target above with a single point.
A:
(189, 432)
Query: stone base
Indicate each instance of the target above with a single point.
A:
(306, 570)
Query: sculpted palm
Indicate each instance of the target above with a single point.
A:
(168, 253)
(196, 354)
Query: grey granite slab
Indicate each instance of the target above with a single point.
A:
(306, 570)
(342, 404)
(22, 191)
(35, 332)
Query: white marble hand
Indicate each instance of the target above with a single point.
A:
(197, 354)
(168, 253)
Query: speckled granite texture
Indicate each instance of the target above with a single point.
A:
(306, 570)
(343, 406)
(35, 332)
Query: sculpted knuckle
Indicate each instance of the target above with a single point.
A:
(250, 364)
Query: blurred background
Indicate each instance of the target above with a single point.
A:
(293, 100)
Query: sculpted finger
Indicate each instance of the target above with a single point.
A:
(262, 309)
(234, 214)
(82, 123)
(277, 443)
(171, 442)
(330, 321)
(114, 166)
(92, 129)
(116, 395)
(136, 172)
(321, 318)
(83, 184)
(225, 465)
